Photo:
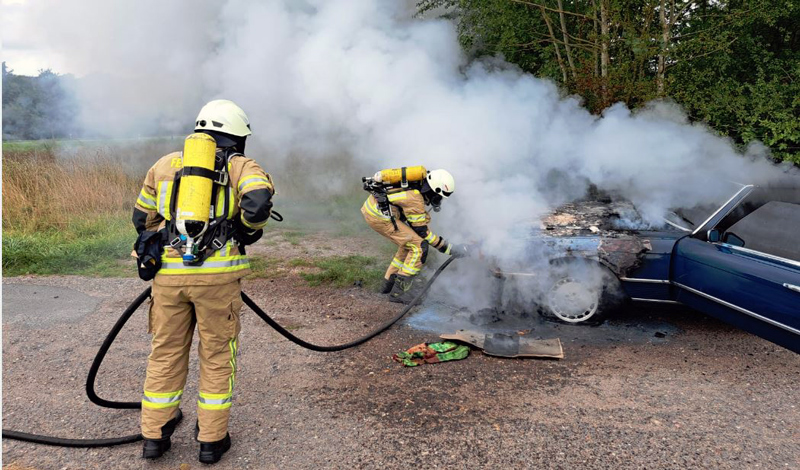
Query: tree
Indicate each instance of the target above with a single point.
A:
(38, 107)
(734, 64)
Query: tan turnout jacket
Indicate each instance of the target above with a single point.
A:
(225, 265)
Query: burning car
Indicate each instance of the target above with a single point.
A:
(741, 264)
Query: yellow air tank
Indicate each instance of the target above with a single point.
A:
(394, 176)
(194, 194)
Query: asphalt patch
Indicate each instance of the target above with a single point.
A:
(39, 306)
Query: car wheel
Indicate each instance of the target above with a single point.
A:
(580, 292)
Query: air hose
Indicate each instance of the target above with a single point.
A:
(112, 335)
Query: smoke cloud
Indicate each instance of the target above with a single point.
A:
(325, 78)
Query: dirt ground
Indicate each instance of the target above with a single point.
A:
(706, 395)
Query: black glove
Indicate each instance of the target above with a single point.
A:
(244, 235)
(460, 251)
(246, 238)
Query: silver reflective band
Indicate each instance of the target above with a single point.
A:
(148, 203)
(162, 197)
(207, 264)
(174, 399)
(256, 179)
(214, 401)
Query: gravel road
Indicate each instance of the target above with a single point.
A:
(706, 395)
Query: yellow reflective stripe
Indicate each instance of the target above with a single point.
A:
(431, 238)
(210, 406)
(397, 263)
(373, 209)
(254, 226)
(251, 180)
(201, 270)
(163, 394)
(232, 379)
(218, 264)
(169, 260)
(415, 217)
(147, 201)
(398, 196)
(214, 396)
(220, 202)
(221, 401)
(415, 254)
(147, 404)
(447, 251)
(232, 205)
(159, 400)
(241, 190)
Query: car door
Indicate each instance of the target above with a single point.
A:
(728, 278)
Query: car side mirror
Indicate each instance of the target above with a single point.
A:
(733, 239)
(713, 235)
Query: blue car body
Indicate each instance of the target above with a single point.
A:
(714, 270)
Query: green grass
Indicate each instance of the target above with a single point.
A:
(97, 247)
(344, 271)
(29, 146)
(293, 236)
(265, 268)
(300, 263)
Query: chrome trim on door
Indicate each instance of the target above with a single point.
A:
(656, 300)
(760, 253)
(791, 287)
(740, 309)
(699, 227)
(649, 281)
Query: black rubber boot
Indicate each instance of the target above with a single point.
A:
(155, 448)
(388, 284)
(405, 290)
(211, 452)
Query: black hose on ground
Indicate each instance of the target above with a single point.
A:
(314, 347)
(112, 335)
(90, 392)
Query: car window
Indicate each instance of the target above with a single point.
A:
(772, 228)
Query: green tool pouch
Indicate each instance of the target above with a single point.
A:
(149, 247)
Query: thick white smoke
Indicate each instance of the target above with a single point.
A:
(323, 78)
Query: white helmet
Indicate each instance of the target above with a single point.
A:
(223, 116)
(442, 182)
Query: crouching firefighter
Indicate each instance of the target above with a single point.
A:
(196, 212)
(396, 210)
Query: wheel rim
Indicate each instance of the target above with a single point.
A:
(573, 301)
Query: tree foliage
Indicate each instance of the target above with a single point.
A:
(38, 107)
(734, 64)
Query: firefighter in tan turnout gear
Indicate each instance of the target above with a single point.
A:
(204, 205)
(396, 210)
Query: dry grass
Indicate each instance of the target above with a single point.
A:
(67, 215)
(41, 192)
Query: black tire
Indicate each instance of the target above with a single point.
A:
(580, 292)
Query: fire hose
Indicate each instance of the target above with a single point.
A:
(112, 335)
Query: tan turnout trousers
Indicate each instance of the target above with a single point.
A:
(409, 256)
(174, 312)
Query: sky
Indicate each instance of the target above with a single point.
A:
(26, 54)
